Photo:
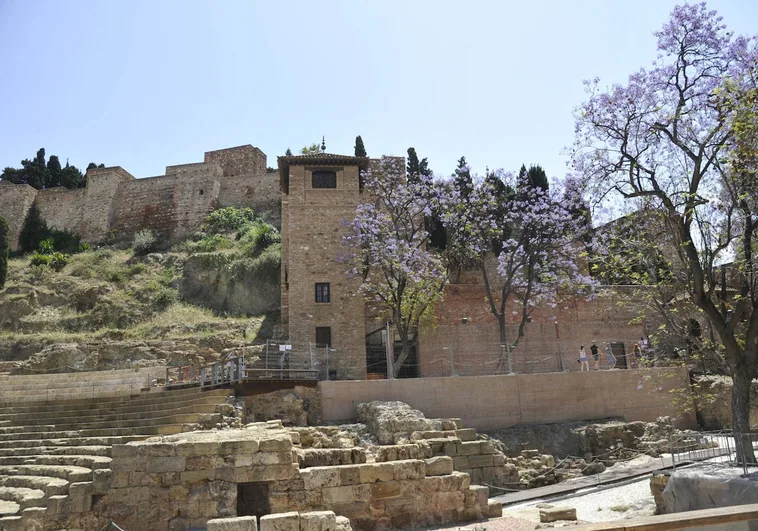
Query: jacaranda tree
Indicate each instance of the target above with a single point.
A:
(677, 135)
(387, 242)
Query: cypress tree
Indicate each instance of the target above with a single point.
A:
(4, 247)
(360, 151)
(288, 153)
(34, 230)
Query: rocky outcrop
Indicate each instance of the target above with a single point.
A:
(238, 287)
(300, 406)
(713, 402)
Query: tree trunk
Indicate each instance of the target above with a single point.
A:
(741, 380)
(502, 365)
(405, 351)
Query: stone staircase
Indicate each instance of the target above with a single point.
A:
(55, 453)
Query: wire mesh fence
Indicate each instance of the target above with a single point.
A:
(716, 448)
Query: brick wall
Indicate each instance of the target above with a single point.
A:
(496, 402)
(311, 242)
(15, 201)
(551, 341)
(98, 212)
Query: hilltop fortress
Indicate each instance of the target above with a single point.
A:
(115, 205)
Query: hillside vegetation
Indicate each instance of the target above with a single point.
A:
(117, 307)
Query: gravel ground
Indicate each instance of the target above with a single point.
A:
(615, 503)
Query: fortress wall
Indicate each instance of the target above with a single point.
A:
(15, 201)
(257, 191)
(61, 208)
(238, 160)
(98, 212)
(144, 204)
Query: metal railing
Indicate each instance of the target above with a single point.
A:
(211, 374)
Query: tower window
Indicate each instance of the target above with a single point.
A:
(324, 179)
(201, 191)
(322, 292)
(323, 336)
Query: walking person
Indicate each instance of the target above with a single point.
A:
(595, 355)
(583, 359)
(609, 355)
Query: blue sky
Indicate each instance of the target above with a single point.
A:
(144, 84)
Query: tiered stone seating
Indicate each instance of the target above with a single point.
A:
(55, 442)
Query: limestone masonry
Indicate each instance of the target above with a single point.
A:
(114, 205)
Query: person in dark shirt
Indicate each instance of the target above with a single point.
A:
(595, 355)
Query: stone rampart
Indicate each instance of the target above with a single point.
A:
(116, 205)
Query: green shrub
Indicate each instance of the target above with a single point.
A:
(65, 241)
(229, 219)
(84, 247)
(58, 261)
(41, 259)
(4, 248)
(258, 236)
(40, 271)
(164, 298)
(144, 242)
(46, 246)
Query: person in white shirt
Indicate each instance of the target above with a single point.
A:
(583, 359)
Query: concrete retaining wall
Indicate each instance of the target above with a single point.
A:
(496, 402)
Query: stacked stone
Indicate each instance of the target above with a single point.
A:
(291, 521)
(480, 459)
(382, 495)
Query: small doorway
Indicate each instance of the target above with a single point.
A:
(620, 353)
(252, 499)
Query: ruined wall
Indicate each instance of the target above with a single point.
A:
(61, 208)
(551, 341)
(311, 241)
(15, 201)
(496, 402)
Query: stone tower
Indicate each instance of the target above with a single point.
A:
(320, 303)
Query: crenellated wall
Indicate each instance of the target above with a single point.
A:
(116, 205)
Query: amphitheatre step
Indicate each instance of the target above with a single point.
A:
(72, 474)
(93, 462)
(56, 419)
(104, 451)
(24, 497)
(51, 486)
(103, 403)
(56, 386)
(74, 441)
(7, 510)
(171, 426)
(206, 413)
(8, 398)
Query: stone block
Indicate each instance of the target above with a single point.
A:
(193, 476)
(244, 446)
(276, 443)
(386, 490)
(372, 472)
(81, 497)
(188, 449)
(494, 509)
(343, 524)
(466, 435)
(338, 495)
(281, 522)
(240, 523)
(101, 481)
(318, 521)
(461, 463)
(156, 449)
(498, 459)
(451, 424)
(481, 493)
(412, 469)
(123, 450)
(480, 461)
(320, 477)
(58, 505)
(439, 466)
(156, 465)
(469, 448)
(553, 514)
(451, 448)
(271, 458)
(350, 475)
(487, 447)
